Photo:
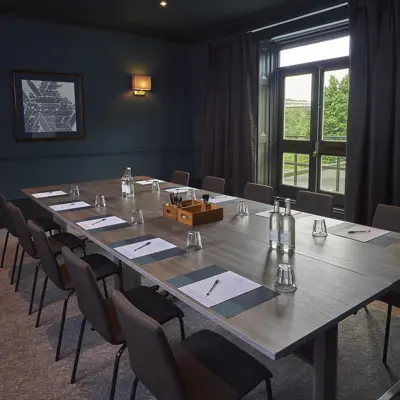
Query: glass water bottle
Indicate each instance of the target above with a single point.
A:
(275, 223)
(128, 187)
(288, 233)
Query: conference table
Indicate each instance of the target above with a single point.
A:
(335, 276)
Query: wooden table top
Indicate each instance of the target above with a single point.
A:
(335, 276)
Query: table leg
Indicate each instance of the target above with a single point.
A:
(325, 365)
(130, 278)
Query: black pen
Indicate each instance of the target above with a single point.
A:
(97, 222)
(141, 247)
(351, 232)
(213, 287)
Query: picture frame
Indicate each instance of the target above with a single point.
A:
(47, 106)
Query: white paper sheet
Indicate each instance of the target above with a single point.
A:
(133, 251)
(266, 214)
(229, 285)
(370, 234)
(221, 199)
(69, 206)
(182, 189)
(149, 182)
(48, 194)
(100, 223)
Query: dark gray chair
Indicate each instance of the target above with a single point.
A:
(213, 184)
(101, 266)
(256, 192)
(101, 313)
(314, 203)
(30, 210)
(25, 241)
(203, 366)
(388, 218)
(180, 178)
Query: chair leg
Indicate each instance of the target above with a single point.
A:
(269, 388)
(134, 387)
(84, 251)
(14, 264)
(115, 372)
(182, 326)
(62, 323)
(4, 249)
(21, 261)
(41, 302)
(387, 333)
(78, 351)
(105, 288)
(34, 287)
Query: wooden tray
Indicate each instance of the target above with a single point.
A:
(194, 213)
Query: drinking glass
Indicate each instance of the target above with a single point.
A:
(191, 194)
(74, 190)
(193, 241)
(137, 217)
(285, 279)
(155, 187)
(100, 201)
(242, 208)
(319, 229)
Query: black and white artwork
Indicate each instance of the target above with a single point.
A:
(48, 106)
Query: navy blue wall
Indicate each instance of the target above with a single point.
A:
(152, 134)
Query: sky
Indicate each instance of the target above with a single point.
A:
(299, 87)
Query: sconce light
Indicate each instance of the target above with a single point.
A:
(141, 84)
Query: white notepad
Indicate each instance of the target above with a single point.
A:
(136, 250)
(182, 189)
(221, 199)
(149, 182)
(361, 236)
(229, 285)
(101, 222)
(48, 194)
(266, 214)
(69, 206)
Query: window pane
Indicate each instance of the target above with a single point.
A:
(297, 107)
(336, 101)
(333, 174)
(325, 50)
(296, 169)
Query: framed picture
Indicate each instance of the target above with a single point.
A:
(47, 106)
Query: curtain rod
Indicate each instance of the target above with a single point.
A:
(297, 18)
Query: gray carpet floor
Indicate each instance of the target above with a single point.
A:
(28, 370)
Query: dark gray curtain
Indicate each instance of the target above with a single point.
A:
(230, 124)
(373, 155)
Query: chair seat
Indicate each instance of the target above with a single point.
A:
(65, 239)
(47, 224)
(233, 371)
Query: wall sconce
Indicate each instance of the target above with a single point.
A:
(141, 84)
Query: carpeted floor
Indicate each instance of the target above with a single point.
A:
(28, 370)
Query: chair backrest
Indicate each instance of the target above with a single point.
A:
(45, 253)
(213, 184)
(5, 217)
(256, 192)
(181, 178)
(314, 203)
(387, 218)
(150, 353)
(21, 227)
(90, 300)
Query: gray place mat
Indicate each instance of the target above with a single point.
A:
(150, 258)
(105, 228)
(231, 307)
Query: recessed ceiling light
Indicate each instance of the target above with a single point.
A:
(163, 3)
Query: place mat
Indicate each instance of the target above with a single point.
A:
(149, 181)
(372, 237)
(44, 195)
(223, 200)
(231, 307)
(75, 205)
(108, 228)
(178, 189)
(149, 258)
(266, 212)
